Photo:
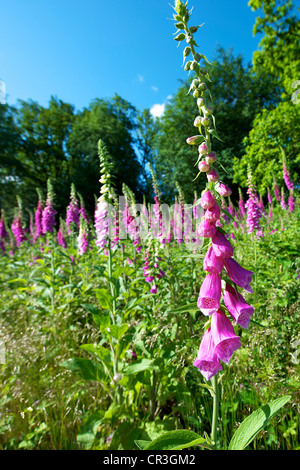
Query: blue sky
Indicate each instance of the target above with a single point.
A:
(79, 50)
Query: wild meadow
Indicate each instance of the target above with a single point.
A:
(152, 323)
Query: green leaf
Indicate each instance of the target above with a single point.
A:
(104, 298)
(254, 423)
(88, 369)
(176, 440)
(117, 331)
(139, 366)
(142, 444)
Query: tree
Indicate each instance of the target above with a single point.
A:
(112, 121)
(238, 95)
(277, 128)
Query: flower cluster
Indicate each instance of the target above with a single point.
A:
(103, 219)
(219, 341)
(48, 214)
(73, 211)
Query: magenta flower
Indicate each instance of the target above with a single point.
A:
(291, 203)
(237, 306)
(286, 177)
(102, 223)
(207, 361)
(223, 190)
(83, 241)
(210, 294)
(18, 230)
(221, 246)
(212, 176)
(48, 217)
(206, 229)
(240, 276)
(211, 157)
(224, 337)
(207, 200)
(153, 289)
(212, 263)
(213, 214)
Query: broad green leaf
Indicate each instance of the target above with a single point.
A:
(117, 331)
(88, 369)
(254, 423)
(142, 444)
(176, 440)
(104, 298)
(139, 366)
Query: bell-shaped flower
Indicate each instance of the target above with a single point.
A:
(213, 214)
(210, 294)
(207, 361)
(237, 306)
(221, 246)
(240, 276)
(224, 337)
(207, 200)
(212, 263)
(206, 229)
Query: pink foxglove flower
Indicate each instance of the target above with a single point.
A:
(237, 306)
(18, 230)
(212, 263)
(286, 177)
(224, 337)
(240, 276)
(223, 190)
(203, 166)
(210, 294)
(221, 246)
(207, 360)
(213, 214)
(206, 229)
(291, 203)
(207, 200)
(102, 223)
(83, 241)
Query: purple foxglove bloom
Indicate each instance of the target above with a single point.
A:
(206, 229)
(286, 177)
(237, 306)
(153, 289)
(224, 337)
(207, 200)
(83, 241)
(210, 294)
(221, 246)
(60, 238)
(222, 189)
(203, 149)
(212, 176)
(18, 230)
(277, 192)
(213, 214)
(48, 217)
(102, 223)
(291, 203)
(207, 361)
(240, 276)
(212, 263)
(38, 220)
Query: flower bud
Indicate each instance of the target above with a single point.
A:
(194, 140)
(187, 51)
(205, 121)
(202, 86)
(197, 57)
(179, 25)
(207, 200)
(187, 66)
(203, 148)
(194, 65)
(203, 166)
(180, 37)
(208, 110)
(212, 176)
(200, 102)
(196, 93)
(202, 71)
(194, 84)
(197, 122)
(211, 157)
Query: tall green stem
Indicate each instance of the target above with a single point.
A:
(214, 424)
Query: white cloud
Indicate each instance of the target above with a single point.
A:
(157, 110)
(154, 88)
(140, 78)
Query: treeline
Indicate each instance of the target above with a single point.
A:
(256, 118)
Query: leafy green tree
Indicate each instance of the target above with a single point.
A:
(238, 95)
(277, 127)
(112, 121)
